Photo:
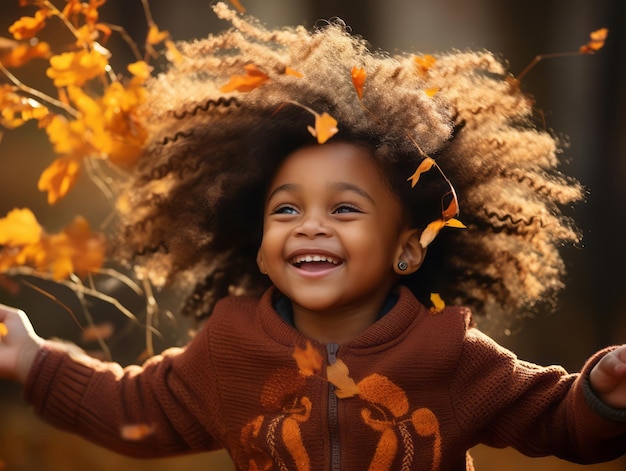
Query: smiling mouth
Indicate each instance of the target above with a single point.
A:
(314, 262)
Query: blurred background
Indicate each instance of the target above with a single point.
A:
(581, 97)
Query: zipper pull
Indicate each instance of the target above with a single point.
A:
(331, 352)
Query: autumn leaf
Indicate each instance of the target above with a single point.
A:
(431, 92)
(76, 68)
(438, 303)
(22, 53)
(338, 375)
(3, 330)
(28, 26)
(596, 41)
(59, 177)
(19, 227)
(309, 360)
(358, 80)
(293, 73)
(431, 231)
(253, 78)
(424, 63)
(17, 109)
(452, 210)
(237, 4)
(325, 127)
(135, 432)
(424, 166)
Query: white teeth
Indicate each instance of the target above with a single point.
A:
(314, 258)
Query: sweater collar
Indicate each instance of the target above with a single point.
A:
(400, 311)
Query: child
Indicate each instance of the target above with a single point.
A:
(330, 361)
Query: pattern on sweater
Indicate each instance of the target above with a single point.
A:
(386, 411)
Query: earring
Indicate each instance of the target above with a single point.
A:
(402, 265)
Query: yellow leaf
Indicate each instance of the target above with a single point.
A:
(59, 178)
(309, 360)
(424, 166)
(3, 330)
(431, 231)
(294, 73)
(19, 227)
(596, 41)
(155, 36)
(452, 222)
(438, 303)
(358, 80)
(325, 127)
(338, 375)
(431, 92)
(253, 78)
(23, 52)
(424, 63)
(28, 26)
(76, 68)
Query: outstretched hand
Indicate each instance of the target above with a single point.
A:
(19, 344)
(608, 378)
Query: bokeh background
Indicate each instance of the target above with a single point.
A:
(581, 97)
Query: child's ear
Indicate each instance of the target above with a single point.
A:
(410, 251)
(260, 263)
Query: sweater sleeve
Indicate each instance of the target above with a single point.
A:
(144, 411)
(537, 410)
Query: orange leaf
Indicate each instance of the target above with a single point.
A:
(452, 210)
(3, 330)
(59, 178)
(135, 432)
(28, 26)
(431, 92)
(294, 73)
(237, 4)
(424, 63)
(308, 359)
(438, 303)
(22, 53)
(245, 83)
(325, 127)
(358, 80)
(596, 41)
(20, 227)
(76, 68)
(424, 166)
(338, 375)
(452, 222)
(431, 231)
(155, 36)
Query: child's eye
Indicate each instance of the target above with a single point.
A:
(285, 209)
(344, 208)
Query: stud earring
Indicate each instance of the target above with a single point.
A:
(402, 265)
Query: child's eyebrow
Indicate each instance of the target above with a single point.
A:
(338, 186)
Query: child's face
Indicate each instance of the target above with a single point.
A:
(333, 231)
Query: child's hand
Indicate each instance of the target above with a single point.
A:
(18, 344)
(608, 378)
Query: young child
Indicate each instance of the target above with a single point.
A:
(324, 356)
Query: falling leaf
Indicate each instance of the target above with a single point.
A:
(358, 80)
(596, 41)
(424, 166)
(309, 360)
(20, 227)
(135, 432)
(438, 303)
(338, 375)
(3, 330)
(452, 210)
(424, 63)
(431, 231)
(245, 83)
(325, 127)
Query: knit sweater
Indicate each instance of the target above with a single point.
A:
(429, 388)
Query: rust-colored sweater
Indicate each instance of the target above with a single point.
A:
(430, 387)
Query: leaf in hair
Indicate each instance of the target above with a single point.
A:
(424, 166)
(253, 78)
(358, 80)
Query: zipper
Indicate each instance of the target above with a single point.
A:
(333, 417)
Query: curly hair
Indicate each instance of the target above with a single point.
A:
(193, 213)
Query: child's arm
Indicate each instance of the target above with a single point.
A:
(608, 378)
(19, 345)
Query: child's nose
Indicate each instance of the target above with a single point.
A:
(313, 225)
